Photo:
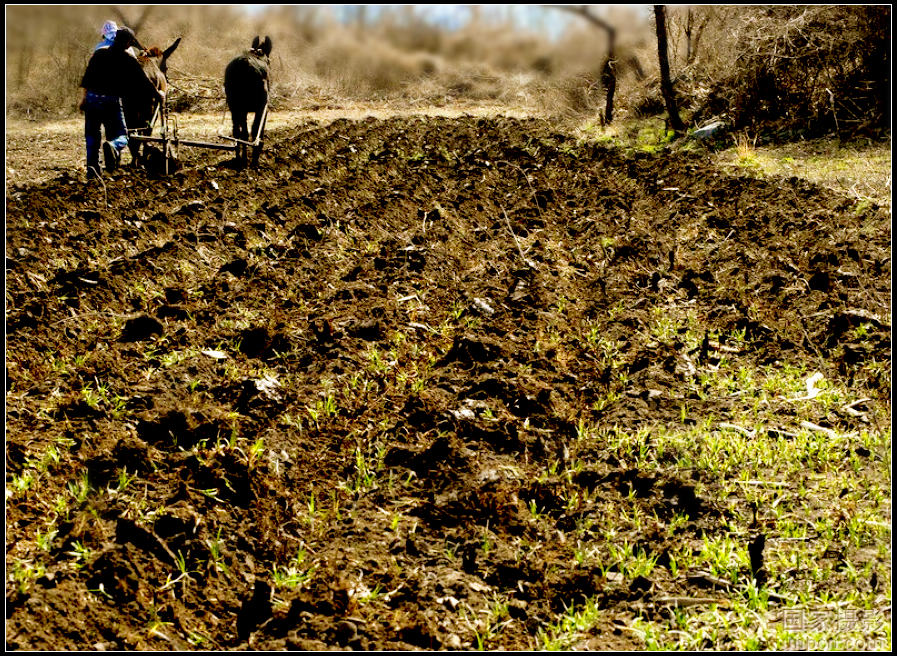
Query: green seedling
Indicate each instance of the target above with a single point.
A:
(45, 539)
(20, 482)
(24, 573)
(215, 550)
(562, 634)
(80, 553)
(183, 576)
(294, 574)
(255, 451)
(124, 480)
(80, 489)
(487, 544)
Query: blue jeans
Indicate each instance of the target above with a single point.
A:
(105, 111)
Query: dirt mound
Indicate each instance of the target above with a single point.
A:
(355, 398)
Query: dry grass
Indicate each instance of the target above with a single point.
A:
(859, 169)
(745, 147)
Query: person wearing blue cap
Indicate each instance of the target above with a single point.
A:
(111, 74)
(108, 34)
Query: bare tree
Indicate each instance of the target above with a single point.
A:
(799, 69)
(688, 23)
(609, 67)
(666, 84)
(695, 23)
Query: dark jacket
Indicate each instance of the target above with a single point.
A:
(113, 72)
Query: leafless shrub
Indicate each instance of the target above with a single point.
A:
(805, 66)
(810, 68)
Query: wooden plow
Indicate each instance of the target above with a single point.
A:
(171, 142)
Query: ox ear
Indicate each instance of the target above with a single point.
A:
(255, 42)
(266, 46)
(170, 49)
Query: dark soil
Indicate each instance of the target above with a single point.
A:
(362, 365)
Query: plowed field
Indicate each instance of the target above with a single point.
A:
(435, 383)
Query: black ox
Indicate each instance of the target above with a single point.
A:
(246, 88)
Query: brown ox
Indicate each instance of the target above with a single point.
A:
(140, 107)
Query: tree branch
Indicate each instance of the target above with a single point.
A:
(583, 11)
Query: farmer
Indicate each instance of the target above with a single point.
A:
(108, 34)
(111, 74)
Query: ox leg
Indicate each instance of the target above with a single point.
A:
(138, 149)
(256, 123)
(240, 132)
(258, 128)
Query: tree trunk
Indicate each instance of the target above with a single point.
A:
(609, 69)
(609, 81)
(609, 76)
(666, 85)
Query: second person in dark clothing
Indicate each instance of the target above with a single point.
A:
(111, 74)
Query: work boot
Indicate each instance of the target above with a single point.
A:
(111, 156)
(93, 173)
